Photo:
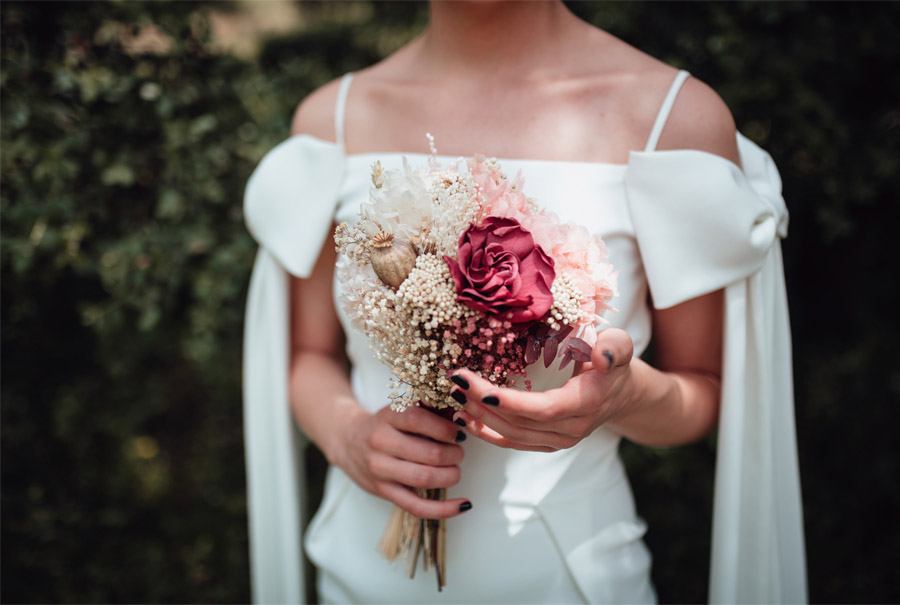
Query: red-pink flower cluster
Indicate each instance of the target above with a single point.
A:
(492, 347)
(499, 270)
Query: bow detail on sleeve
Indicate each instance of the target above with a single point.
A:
(290, 200)
(701, 222)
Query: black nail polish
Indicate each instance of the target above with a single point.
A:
(460, 381)
(460, 422)
(491, 400)
(460, 436)
(459, 396)
(465, 506)
(609, 357)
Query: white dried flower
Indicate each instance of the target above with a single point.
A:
(452, 194)
(377, 174)
(567, 303)
(354, 242)
(400, 206)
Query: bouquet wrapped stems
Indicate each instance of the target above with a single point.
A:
(409, 535)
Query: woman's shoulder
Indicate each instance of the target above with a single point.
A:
(699, 117)
(314, 114)
(631, 84)
(701, 120)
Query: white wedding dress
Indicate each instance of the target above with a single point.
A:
(545, 528)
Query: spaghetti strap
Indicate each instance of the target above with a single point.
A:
(339, 107)
(663, 114)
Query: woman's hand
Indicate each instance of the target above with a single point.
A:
(601, 392)
(388, 452)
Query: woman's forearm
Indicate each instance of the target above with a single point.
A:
(322, 401)
(668, 408)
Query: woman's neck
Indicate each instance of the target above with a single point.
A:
(497, 37)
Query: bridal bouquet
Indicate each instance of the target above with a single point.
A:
(454, 266)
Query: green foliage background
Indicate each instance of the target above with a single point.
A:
(125, 263)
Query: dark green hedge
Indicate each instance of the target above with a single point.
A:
(125, 262)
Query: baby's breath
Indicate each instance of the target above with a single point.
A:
(354, 242)
(567, 303)
(454, 208)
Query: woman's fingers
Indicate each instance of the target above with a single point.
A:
(541, 407)
(515, 433)
(389, 468)
(613, 348)
(423, 508)
(422, 422)
(570, 426)
(391, 461)
(385, 438)
(558, 410)
(482, 431)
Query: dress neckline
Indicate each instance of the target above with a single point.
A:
(446, 157)
(741, 140)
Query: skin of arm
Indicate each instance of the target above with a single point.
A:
(674, 403)
(386, 453)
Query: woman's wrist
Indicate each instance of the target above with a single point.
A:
(650, 400)
(337, 441)
(323, 403)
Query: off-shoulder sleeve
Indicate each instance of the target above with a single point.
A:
(702, 224)
(289, 203)
(701, 221)
(290, 200)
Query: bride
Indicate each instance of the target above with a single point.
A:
(539, 508)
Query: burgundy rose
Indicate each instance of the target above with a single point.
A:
(501, 271)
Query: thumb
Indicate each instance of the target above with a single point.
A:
(613, 349)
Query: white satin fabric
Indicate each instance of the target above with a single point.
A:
(683, 223)
(288, 210)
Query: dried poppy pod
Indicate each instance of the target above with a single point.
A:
(392, 260)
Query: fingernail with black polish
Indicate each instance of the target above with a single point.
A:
(491, 400)
(465, 506)
(460, 422)
(460, 436)
(459, 396)
(609, 357)
(460, 381)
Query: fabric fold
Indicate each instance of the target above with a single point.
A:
(702, 224)
(289, 203)
(601, 545)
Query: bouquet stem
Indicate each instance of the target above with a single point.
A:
(411, 536)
